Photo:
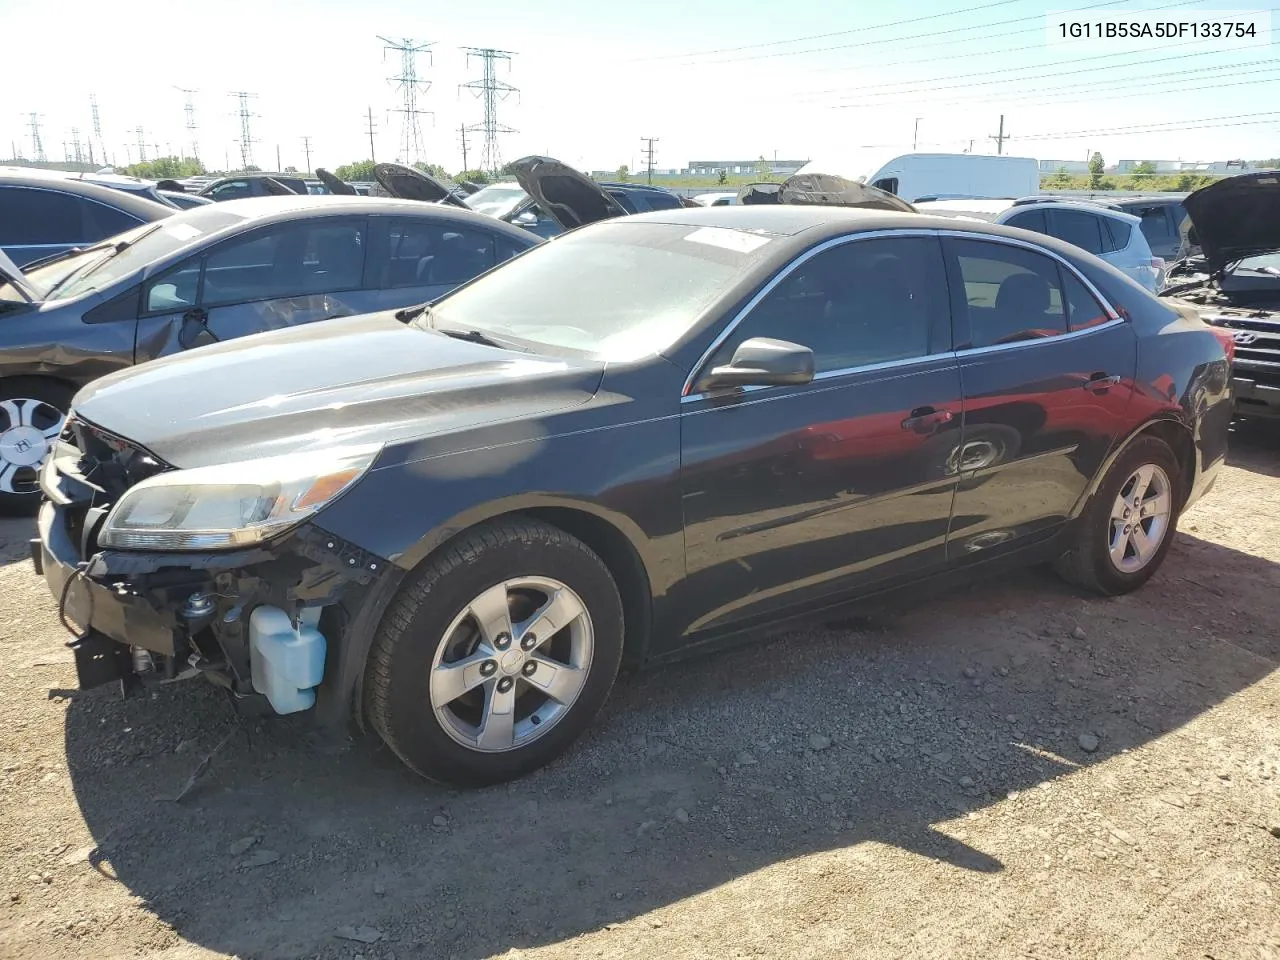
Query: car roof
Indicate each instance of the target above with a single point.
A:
(301, 205)
(126, 200)
(991, 209)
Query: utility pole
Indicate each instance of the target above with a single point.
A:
(970, 150)
(409, 86)
(491, 90)
(37, 147)
(915, 136)
(189, 109)
(306, 146)
(372, 154)
(246, 139)
(463, 130)
(1000, 137)
(648, 152)
(279, 168)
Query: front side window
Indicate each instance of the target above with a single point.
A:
(855, 304)
(1078, 227)
(1007, 294)
(108, 221)
(1029, 220)
(233, 190)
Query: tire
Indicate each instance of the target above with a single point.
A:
(431, 644)
(27, 428)
(1090, 562)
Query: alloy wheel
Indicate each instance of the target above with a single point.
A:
(27, 429)
(1140, 518)
(511, 664)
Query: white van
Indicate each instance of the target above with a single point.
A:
(940, 176)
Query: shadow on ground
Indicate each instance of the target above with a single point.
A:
(870, 729)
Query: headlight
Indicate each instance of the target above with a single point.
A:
(232, 504)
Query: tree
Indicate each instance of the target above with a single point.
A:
(433, 169)
(165, 168)
(1060, 180)
(623, 174)
(473, 176)
(290, 169)
(1147, 168)
(1096, 169)
(723, 177)
(360, 170)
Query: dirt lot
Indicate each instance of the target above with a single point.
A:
(1014, 770)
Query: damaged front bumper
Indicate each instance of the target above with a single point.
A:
(281, 626)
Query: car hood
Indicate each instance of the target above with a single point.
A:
(566, 195)
(335, 186)
(358, 380)
(823, 189)
(408, 183)
(1237, 217)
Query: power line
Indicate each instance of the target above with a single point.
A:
(824, 36)
(491, 90)
(246, 139)
(409, 86)
(648, 152)
(1199, 123)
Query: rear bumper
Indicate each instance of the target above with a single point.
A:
(1254, 399)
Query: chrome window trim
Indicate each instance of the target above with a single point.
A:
(1113, 316)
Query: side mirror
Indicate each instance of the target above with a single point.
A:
(526, 219)
(763, 362)
(194, 331)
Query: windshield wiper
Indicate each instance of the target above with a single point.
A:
(91, 266)
(471, 336)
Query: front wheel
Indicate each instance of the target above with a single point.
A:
(32, 412)
(496, 655)
(1128, 527)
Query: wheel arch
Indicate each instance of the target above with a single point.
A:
(1175, 433)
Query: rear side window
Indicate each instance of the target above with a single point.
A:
(1078, 227)
(505, 248)
(425, 252)
(30, 217)
(1007, 294)
(1030, 220)
(233, 190)
(108, 221)
(1083, 309)
(662, 201)
(889, 184)
(1156, 223)
(1115, 234)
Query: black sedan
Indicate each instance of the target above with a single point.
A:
(650, 435)
(213, 273)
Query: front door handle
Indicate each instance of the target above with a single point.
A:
(1099, 382)
(926, 419)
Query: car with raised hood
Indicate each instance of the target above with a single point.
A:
(647, 437)
(1234, 281)
(211, 274)
(44, 213)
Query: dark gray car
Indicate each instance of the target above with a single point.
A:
(210, 274)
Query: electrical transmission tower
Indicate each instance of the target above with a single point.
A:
(37, 147)
(77, 148)
(409, 86)
(97, 128)
(648, 152)
(492, 90)
(142, 144)
(189, 108)
(246, 139)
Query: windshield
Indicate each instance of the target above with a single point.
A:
(496, 200)
(107, 262)
(616, 290)
(1266, 264)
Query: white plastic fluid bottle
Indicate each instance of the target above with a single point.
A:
(287, 662)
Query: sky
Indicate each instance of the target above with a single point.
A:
(712, 80)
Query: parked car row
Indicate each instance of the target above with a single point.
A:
(656, 433)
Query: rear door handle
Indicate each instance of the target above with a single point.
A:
(926, 419)
(1100, 382)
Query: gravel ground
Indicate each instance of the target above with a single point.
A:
(1012, 770)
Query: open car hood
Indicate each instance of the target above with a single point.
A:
(569, 197)
(823, 189)
(1237, 217)
(333, 184)
(409, 183)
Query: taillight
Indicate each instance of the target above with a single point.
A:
(1228, 340)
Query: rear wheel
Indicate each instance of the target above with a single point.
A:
(496, 655)
(32, 412)
(1128, 528)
